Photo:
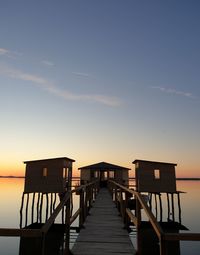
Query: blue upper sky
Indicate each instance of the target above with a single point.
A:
(108, 80)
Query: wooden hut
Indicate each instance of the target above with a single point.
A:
(48, 175)
(103, 171)
(154, 176)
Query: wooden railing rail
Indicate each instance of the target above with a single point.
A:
(52, 218)
(87, 194)
(117, 191)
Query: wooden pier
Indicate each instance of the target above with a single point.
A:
(103, 231)
(103, 215)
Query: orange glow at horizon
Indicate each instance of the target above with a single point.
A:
(18, 169)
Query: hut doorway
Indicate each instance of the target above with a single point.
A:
(103, 178)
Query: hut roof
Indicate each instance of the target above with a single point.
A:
(48, 159)
(153, 162)
(102, 166)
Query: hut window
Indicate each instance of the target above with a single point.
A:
(65, 172)
(96, 174)
(105, 175)
(112, 174)
(157, 174)
(44, 172)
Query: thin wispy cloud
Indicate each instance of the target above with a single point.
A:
(86, 75)
(17, 74)
(8, 53)
(4, 51)
(51, 88)
(174, 91)
(48, 63)
(102, 99)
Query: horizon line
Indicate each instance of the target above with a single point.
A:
(177, 178)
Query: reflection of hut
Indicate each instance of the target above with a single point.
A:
(154, 176)
(48, 175)
(103, 171)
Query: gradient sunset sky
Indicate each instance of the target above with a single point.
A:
(100, 80)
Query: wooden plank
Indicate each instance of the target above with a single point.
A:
(182, 236)
(104, 231)
(20, 232)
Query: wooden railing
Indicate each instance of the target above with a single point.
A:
(87, 195)
(121, 195)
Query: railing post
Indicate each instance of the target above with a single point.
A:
(173, 212)
(116, 197)
(67, 226)
(127, 219)
(121, 204)
(95, 190)
(43, 244)
(138, 216)
(90, 196)
(162, 246)
(112, 190)
(81, 203)
(86, 200)
(138, 211)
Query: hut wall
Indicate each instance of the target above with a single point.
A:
(125, 176)
(148, 181)
(35, 181)
(118, 176)
(85, 175)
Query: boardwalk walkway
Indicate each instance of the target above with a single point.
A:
(103, 233)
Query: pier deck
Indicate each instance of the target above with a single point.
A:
(104, 231)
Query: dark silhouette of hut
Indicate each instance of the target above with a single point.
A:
(103, 172)
(152, 176)
(158, 179)
(46, 182)
(52, 175)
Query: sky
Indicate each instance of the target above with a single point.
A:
(109, 80)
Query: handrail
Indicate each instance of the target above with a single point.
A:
(52, 218)
(88, 193)
(156, 226)
(159, 231)
(76, 214)
(150, 215)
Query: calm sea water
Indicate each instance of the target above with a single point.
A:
(10, 201)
